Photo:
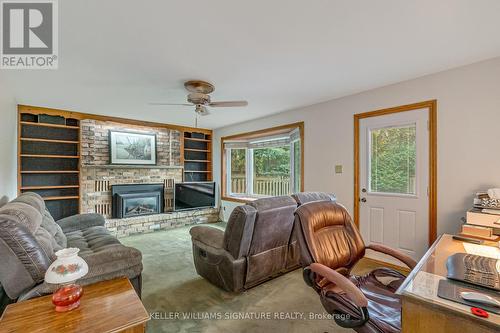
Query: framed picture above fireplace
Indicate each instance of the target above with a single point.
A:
(132, 148)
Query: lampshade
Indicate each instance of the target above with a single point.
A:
(68, 267)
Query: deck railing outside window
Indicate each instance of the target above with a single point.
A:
(268, 186)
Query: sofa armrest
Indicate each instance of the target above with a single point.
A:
(209, 236)
(112, 256)
(406, 259)
(80, 221)
(109, 263)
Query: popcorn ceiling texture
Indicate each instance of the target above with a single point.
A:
(97, 176)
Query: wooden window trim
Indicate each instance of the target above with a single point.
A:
(253, 135)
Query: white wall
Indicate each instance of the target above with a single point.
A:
(8, 142)
(468, 135)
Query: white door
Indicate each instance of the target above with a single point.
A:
(394, 179)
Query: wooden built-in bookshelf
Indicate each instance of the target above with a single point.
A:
(197, 156)
(49, 154)
(49, 160)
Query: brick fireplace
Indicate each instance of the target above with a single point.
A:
(97, 181)
(98, 176)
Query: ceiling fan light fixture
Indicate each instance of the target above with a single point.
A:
(201, 110)
(199, 97)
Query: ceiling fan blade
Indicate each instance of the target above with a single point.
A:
(177, 104)
(228, 104)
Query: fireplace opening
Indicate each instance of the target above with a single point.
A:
(137, 199)
(139, 204)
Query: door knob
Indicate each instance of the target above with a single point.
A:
(363, 199)
(363, 190)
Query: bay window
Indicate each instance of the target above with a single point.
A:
(263, 163)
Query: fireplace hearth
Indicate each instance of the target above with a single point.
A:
(137, 199)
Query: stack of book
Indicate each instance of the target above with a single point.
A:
(482, 221)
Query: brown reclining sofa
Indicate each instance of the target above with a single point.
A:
(258, 244)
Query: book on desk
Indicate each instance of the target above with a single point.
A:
(482, 222)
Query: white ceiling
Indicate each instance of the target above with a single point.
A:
(116, 56)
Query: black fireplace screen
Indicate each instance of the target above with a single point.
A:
(137, 199)
(141, 205)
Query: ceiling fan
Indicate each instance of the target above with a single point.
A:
(199, 98)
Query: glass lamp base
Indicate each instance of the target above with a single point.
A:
(64, 308)
(67, 297)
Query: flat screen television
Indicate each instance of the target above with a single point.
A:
(194, 195)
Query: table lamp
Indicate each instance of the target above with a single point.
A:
(65, 270)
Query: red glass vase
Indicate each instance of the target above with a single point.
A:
(67, 297)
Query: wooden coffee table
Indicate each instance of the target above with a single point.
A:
(108, 306)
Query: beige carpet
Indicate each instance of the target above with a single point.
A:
(173, 291)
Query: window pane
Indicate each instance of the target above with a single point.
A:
(296, 166)
(238, 171)
(392, 159)
(271, 171)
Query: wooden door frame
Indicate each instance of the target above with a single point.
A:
(431, 105)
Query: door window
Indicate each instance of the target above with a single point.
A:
(392, 165)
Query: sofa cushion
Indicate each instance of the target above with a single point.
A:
(239, 230)
(116, 260)
(23, 214)
(273, 224)
(90, 240)
(106, 256)
(24, 262)
(80, 222)
(36, 201)
(29, 216)
(268, 251)
(54, 230)
(47, 243)
(32, 199)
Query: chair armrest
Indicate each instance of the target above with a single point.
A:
(80, 221)
(209, 236)
(406, 259)
(353, 292)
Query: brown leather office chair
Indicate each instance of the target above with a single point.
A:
(330, 246)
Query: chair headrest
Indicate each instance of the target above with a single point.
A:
(330, 236)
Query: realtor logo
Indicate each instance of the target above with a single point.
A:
(29, 34)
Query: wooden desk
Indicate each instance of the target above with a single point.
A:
(109, 306)
(424, 311)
